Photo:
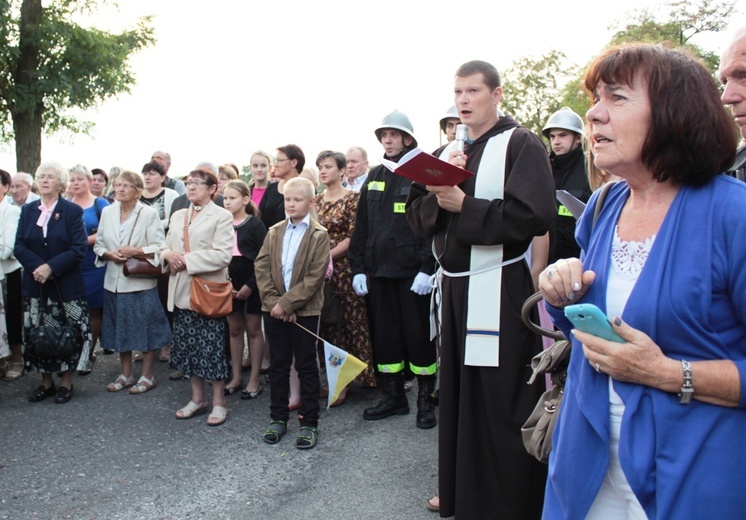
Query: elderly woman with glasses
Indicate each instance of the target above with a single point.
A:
(51, 245)
(199, 348)
(134, 318)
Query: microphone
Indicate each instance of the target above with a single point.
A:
(461, 135)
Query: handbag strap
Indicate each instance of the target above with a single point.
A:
(44, 298)
(537, 296)
(186, 230)
(134, 224)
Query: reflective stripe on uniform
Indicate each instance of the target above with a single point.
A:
(376, 185)
(393, 368)
(400, 207)
(424, 371)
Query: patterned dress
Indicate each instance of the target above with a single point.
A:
(338, 217)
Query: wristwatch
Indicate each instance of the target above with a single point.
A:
(687, 389)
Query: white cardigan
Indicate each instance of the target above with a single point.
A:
(147, 234)
(9, 216)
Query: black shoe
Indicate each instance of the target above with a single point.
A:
(425, 408)
(83, 373)
(108, 351)
(393, 402)
(245, 394)
(64, 394)
(42, 393)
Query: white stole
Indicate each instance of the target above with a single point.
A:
(485, 269)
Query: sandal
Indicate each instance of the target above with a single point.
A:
(121, 383)
(143, 385)
(433, 504)
(190, 410)
(218, 416)
(307, 438)
(275, 431)
(15, 373)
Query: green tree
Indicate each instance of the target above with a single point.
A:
(675, 24)
(533, 88)
(50, 66)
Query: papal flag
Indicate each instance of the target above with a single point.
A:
(341, 368)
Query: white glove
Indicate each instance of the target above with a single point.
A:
(421, 284)
(360, 284)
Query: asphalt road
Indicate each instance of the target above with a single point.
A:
(120, 456)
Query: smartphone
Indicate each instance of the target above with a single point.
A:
(588, 318)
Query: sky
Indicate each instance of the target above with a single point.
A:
(228, 77)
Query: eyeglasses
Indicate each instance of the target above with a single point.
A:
(190, 184)
(281, 160)
(151, 173)
(123, 186)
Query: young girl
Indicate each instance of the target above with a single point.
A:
(247, 307)
(260, 164)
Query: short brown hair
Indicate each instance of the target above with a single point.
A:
(133, 178)
(208, 176)
(487, 70)
(690, 139)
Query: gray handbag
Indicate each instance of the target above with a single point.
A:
(537, 430)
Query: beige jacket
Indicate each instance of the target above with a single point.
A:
(147, 234)
(306, 294)
(211, 249)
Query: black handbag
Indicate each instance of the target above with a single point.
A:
(49, 339)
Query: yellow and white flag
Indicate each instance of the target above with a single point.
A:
(341, 368)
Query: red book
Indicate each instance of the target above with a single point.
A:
(427, 169)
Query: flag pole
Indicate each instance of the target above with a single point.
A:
(311, 333)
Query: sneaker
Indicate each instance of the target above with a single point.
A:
(306, 438)
(275, 431)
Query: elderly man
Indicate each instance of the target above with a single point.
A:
(20, 189)
(481, 230)
(357, 168)
(733, 77)
(164, 159)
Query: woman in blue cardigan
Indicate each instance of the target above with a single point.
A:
(51, 244)
(649, 428)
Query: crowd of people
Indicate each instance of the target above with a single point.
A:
(425, 283)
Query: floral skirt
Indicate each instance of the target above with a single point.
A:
(77, 316)
(200, 345)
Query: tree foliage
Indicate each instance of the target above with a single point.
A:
(533, 88)
(677, 23)
(50, 66)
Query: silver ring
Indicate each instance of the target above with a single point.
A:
(598, 368)
(550, 273)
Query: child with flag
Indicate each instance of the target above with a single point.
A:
(290, 270)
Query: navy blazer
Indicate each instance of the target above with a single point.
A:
(63, 249)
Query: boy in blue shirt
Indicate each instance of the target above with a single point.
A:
(290, 270)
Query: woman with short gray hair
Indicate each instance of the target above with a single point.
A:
(50, 244)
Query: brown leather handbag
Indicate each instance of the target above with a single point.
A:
(139, 266)
(206, 297)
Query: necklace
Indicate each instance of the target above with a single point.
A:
(197, 208)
